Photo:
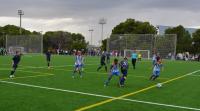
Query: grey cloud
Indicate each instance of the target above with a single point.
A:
(86, 13)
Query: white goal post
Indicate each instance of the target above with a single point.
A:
(144, 53)
(26, 44)
(146, 44)
(12, 50)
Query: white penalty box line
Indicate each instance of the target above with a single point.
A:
(104, 96)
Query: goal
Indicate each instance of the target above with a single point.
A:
(12, 50)
(146, 44)
(26, 44)
(144, 53)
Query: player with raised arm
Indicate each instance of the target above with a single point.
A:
(48, 58)
(16, 59)
(124, 70)
(156, 69)
(78, 64)
(114, 70)
(102, 62)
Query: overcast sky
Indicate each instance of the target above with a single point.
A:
(79, 15)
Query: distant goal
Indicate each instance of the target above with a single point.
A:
(144, 53)
(26, 44)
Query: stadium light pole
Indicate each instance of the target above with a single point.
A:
(102, 21)
(91, 31)
(20, 13)
(158, 30)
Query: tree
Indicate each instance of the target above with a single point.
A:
(78, 41)
(196, 42)
(51, 39)
(64, 40)
(130, 26)
(184, 39)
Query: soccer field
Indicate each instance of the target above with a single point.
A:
(37, 88)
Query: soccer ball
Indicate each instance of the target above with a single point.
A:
(159, 85)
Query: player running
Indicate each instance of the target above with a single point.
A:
(107, 57)
(113, 71)
(157, 68)
(124, 70)
(154, 59)
(16, 59)
(134, 58)
(102, 62)
(78, 64)
(48, 57)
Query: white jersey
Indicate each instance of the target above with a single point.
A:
(157, 67)
(154, 58)
(78, 60)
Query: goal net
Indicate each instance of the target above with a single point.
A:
(146, 44)
(144, 53)
(24, 44)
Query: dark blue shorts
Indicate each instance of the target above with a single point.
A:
(124, 72)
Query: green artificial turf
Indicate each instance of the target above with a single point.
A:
(32, 70)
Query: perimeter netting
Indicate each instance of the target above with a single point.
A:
(24, 44)
(145, 44)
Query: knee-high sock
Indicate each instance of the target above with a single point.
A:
(106, 68)
(122, 80)
(48, 64)
(99, 68)
(155, 77)
(12, 72)
(151, 77)
(108, 80)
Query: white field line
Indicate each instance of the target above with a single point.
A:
(195, 75)
(41, 74)
(108, 73)
(103, 96)
(53, 66)
(40, 67)
(24, 77)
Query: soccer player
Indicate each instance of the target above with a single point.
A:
(78, 64)
(134, 58)
(113, 71)
(139, 57)
(124, 70)
(102, 62)
(108, 57)
(48, 57)
(16, 59)
(157, 68)
(154, 59)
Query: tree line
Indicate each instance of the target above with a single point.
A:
(186, 42)
(52, 40)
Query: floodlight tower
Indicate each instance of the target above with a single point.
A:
(91, 31)
(20, 13)
(102, 21)
(158, 30)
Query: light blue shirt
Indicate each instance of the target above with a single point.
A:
(134, 56)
